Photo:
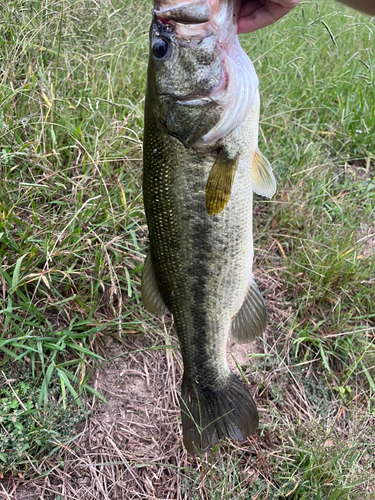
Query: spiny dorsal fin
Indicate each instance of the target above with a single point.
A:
(151, 297)
(264, 182)
(251, 319)
(219, 184)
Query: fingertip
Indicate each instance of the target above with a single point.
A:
(262, 17)
(248, 25)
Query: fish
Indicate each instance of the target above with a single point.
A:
(201, 165)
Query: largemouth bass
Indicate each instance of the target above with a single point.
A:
(201, 166)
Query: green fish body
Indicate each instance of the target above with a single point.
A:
(201, 166)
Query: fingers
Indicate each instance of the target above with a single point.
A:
(256, 14)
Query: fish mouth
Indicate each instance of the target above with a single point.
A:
(185, 11)
(195, 101)
(188, 99)
(190, 18)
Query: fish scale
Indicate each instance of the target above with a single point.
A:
(198, 203)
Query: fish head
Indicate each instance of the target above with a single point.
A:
(184, 71)
(195, 79)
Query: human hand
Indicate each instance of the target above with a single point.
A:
(256, 14)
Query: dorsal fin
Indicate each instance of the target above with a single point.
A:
(264, 182)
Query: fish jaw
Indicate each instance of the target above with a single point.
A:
(206, 63)
(188, 12)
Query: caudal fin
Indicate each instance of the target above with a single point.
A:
(208, 415)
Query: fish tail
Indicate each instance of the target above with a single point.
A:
(209, 414)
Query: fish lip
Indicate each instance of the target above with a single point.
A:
(189, 99)
(184, 12)
(194, 100)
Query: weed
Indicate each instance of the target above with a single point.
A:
(73, 240)
(28, 431)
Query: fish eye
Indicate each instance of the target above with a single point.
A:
(160, 48)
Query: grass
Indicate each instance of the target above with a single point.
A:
(73, 239)
(28, 434)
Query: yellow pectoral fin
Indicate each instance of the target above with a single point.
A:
(264, 182)
(219, 184)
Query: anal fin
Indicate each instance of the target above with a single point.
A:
(151, 298)
(251, 319)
